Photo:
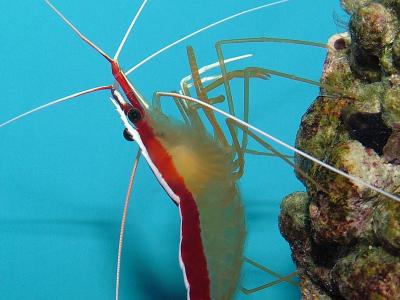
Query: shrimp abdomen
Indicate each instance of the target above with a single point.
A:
(223, 234)
(213, 223)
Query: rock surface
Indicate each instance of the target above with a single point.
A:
(345, 238)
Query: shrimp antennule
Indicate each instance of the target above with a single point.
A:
(201, 30)
(84, 38)
(55, 102)
(123, 221)
(129, 30)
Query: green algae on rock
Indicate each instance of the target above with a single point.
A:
(368, 272)
(345, 238)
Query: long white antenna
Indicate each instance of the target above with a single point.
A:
(84, 38)
(99, 88)
(129, 30)
(201, 30)
(280, 142)
(123, 222)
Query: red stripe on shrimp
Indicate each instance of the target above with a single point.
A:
(192, 250)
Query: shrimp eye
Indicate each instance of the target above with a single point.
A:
(127, 135)
(134, 115)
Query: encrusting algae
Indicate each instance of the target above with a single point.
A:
(345, 238)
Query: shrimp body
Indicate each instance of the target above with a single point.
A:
(198, 171)
(197, 174)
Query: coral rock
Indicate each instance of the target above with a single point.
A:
(345, 238)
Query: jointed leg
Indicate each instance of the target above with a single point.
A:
(272, 150)
(238, 150)
(269, 271)
(267, 285)
(183, 110)
(280, 278)
(201, 94)
(221, 59)
(178, 102)
(241, 148)
(251, 73)
(201, 90)
(218, 46)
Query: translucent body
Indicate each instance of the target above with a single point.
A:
(208, 173)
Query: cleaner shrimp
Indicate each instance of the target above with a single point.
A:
(47, 176)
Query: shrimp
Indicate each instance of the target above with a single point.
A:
(63, 196)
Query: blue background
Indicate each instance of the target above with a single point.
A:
(64, 171)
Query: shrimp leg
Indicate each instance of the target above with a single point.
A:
(189, 116)
(286, 278)
(191, 108)
(202, 93)
(240, 148)
(218, 133)
(232, 125)
(218, 47)
(269, 271)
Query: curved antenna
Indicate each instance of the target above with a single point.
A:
(129, 30)
(201, 30)
(123, 222)
(81, 36)
(280, 142)
(51, 103)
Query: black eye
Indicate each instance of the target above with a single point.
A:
(134, 115)
(127, 135)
